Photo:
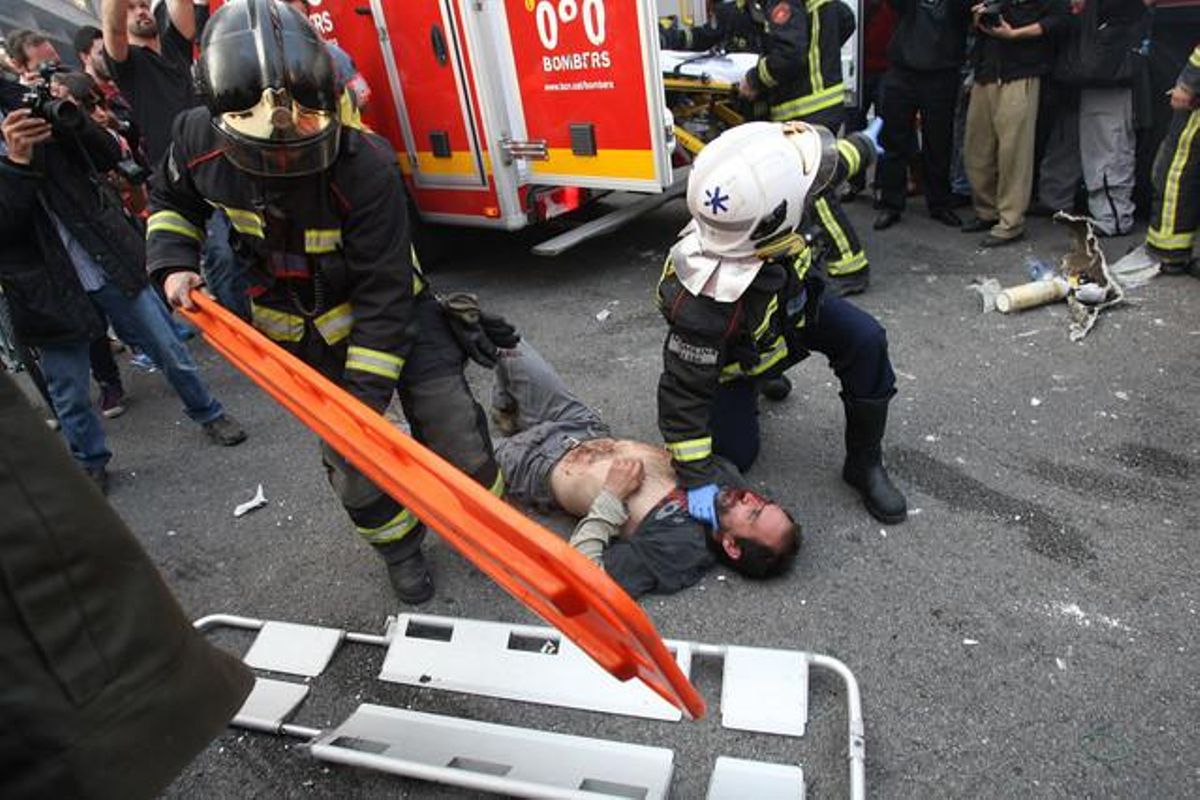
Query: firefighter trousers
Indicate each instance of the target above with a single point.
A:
(847, 263)
(1176, 211)
(442, 414)
(856, 346)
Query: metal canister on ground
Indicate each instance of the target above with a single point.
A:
(1030, 295)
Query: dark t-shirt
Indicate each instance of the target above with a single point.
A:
(158, 87)
(666, 553)
(669, 551)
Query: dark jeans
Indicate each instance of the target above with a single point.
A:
(856, 346)
(905, 94)
(223, 271)
(142, 319)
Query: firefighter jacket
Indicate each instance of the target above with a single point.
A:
(108, 691)
(329, 254)
(757, 336)
(799, 69)
(1190, 76)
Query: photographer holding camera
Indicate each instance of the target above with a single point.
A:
(66, 243)
(1013, 50)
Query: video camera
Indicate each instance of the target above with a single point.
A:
(64, 116)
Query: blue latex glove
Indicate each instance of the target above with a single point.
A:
(702, 504)
(872, 132)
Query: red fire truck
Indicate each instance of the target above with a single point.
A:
(505, 113)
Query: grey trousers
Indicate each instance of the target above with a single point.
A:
(1094, 144)
(549, 422)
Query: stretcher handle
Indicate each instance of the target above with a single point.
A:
(526, 560)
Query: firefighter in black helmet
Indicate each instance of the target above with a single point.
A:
(318, 209)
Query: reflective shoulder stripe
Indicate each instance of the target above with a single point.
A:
(764, 74)
(376, 362)
(245, 221)
(393, 530)
(335, 324)
(322, 240)
(851, 154)
(172, 222)
(278, 326)
(691, 450)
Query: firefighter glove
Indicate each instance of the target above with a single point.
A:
(478, 333)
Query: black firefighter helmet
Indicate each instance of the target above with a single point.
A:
(270, 83)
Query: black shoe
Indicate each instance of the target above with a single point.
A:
(411, 579)
(960, 200)
(776, 389)
(946, 217)
(886, 219)
(854, 283)
(977, 225)
(990, 241)
(866, 421)
(98, 476)
(225, 431)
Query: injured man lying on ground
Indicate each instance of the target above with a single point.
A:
(633, 519)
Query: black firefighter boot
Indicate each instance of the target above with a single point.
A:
(866, 421)
(407, 568)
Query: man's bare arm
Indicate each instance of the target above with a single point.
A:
(114, 21)
(183, 17)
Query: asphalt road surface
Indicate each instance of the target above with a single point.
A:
(1031, 631)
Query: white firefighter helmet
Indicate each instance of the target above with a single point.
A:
(747, 193)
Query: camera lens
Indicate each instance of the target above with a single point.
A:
(64, 115)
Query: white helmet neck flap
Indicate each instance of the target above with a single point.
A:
(747, 193)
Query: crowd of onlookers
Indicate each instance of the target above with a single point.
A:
(1023, 107)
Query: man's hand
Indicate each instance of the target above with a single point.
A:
(702, 504)
(746, 90)
(22, 132)
(1182, 98)
(178, 288)
(624, 477)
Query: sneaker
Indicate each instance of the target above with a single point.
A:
(143, 362)
(411, 579)
(98, 476)
(225, 431)
(112, 401)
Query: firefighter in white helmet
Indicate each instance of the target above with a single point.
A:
(743, 301)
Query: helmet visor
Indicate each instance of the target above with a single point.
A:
(282, 158)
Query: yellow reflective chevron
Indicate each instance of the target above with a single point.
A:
(322, 240)
(764, 74)
(810, 104)
(277, 326)
(376, 362)
(851, 154)
(772, 307)
(335, 324)
(247, 222)
(814, 46)
(691, 450)
(770, 358)
(393, 530)
(171, 222)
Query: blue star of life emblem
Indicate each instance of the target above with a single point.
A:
(715, 200)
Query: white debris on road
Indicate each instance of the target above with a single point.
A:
(1084, 620)
(258, 501)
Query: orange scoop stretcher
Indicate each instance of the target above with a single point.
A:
(528, 561)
